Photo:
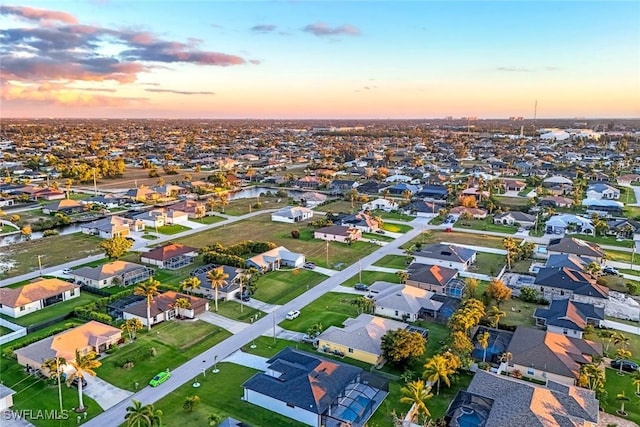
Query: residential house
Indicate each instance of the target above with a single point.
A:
(315, 391)
(563, 223)
(170, 256)
(312, 199)
(235, 276)
(338, 233)
(380, 204)
(360, 338)
(142, 194)
(525, 220)
(493, 400)
(623, 228)
(568, 317)
(435, 278)
(275, 258)
(403, 188)
(6, 397)
(65, 206)
(292, 214)
(513, 184)
(153, 219)
(119, 273)
(403, 302)
(339, 186)
(308, 182)
(90, 336)
(475, 213)
(574, 262)
(162, 308)
(39, 294)
(362, 220)
(449, 256)
(571, 245)
(112, 226)
(628, 179)
(422, 208)
(193, 208)
(107, 201)
(601, 190)
(544, 355)
(603, 207)
(565, 283)
(433, 192)
(556, 202)
(556, 180)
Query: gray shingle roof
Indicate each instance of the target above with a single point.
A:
(571, 245)
(578, 282)
(446, 252)
(565, 313)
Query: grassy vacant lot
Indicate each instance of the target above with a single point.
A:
(393, 215)
(231, 309)
(396, 228)
(616, 283)
(245, 206)
(485, 225)
(513, 202)
(170, 229)
(433, 236)
(175, 343)
(212, 219)
(617, 384)
(220, 394)
(35, 394)
(368, 277)
(261, 228)
(393, 261)
(267, 347)
(627, 195)
(619, 256)
(487, 263)
(280, 287)
(54, 251)
(55, 310)
(337, 206)
(330, 310)
(606, 240)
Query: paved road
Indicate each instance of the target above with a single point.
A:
(190, 369)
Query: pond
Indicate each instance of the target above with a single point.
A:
(11, 239)
(254, 192)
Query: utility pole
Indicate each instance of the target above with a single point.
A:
(360, 270)
(95, 186)
(40, 264)
(327, 254)
(274, 326)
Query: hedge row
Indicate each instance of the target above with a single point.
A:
(9, 349)
(224, 259)
(135, 356)
(243, 248)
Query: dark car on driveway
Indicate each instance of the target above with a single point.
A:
(309, 265)
(244, 296)
(627, 365)
(361, 287)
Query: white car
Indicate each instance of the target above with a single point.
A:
(292, 314)
(67, 271)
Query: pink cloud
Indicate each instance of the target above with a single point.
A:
(34, 14)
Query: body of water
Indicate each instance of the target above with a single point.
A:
(254, 192)
(19, 238)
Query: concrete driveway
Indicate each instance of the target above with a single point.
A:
(104, 393)
(262, 306)
(230, 325)
(250, 360)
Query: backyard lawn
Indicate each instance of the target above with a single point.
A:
(617, 384)
(232, 310)
(280, 287)
(59, 309)
(220, 394)
(330, 310)
(54, 251)
(368, 277)
(261, 228)
(434, 236)
(487, 263)
(175, 342)
(393, 261)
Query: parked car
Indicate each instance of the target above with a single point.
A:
(309, 265)
(74, 383)
(292, 314)
(627, 365)
(244, 296)
(67, 271)
(160, 378)
(380, 231)
(610, 270)
(361, 287)
(309, 339)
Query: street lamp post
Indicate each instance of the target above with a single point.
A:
(40, 264)
(215, 365)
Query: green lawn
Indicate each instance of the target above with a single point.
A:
(512, 202)
(54, 310)
(4, 229)
(38, 395)
(619, 256)
(231, 309)
(393, 215)
(610, 349)
(267, 347)
(280, 287)
(485, 225)
(627, 195)
(337, 206)
(487, 263)
(54, 251)
(208, 219)
(396, 228)
(518, 312)
(632, 212)
(434, 236)
(617, 384)
(330, 310)
(616, 283)
(170, 229)
(175, 342)
(150, 237)
(369, 277)
(220, 394)
(393, 261)
(605, 240)
(245, 206)
(262, 229)
(521, 266)
(376, 236)
(5, 331)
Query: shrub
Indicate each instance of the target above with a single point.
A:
(295, 234)
(134, 356)
(47, 233)
(632, 288)
(529, 295)
(515, 374)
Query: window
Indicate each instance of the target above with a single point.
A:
(397, 313)
(72, 292)
(565, 331)
(530, 371)
(291, 405)
(350, 350)
(561, 292)
(22, 308)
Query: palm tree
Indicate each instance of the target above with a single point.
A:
(148, 289)
(591, 377)
(217, 277)
(506, 357)
(483, 340)
(364, 304)
(511, 246)
(495, 315)
(635, 379)
(190, 284)
(620, 397)
(181, 304)
(54, 366)
(223, 199)
(190, 403)
(621, 340)
(438, 369)
(132, 326)
(416, 393)
(403, 276)
(621, 353)
(139, 415)
(84, 365)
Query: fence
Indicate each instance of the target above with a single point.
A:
(38, 326)
(95, 291)
(18, 331)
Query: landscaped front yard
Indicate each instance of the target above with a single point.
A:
(368, 277)
(392, 215)
(396, 228)
(220, 394)
(233, 310)
(616, 384)
(53, 311)
(280, 287)
(175, 342)
(435, 236)
(485, 225)
(211, 219)
(332, 309)
(170, 229)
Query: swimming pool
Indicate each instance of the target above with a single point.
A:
(357, 407)
(469, 419)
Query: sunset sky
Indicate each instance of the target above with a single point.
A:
(301, 59)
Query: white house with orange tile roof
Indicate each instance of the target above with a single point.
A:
(91, 336)
(35, 296)
(116, 272)
(170, 256)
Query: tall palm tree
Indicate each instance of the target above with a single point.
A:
(84, 365)
(635, 379)
(483, 340)
(148, 289)
(416, 393)
(181, 304)
(364, 304)
(55, 367)
(621, 353)
(218, 279)
(438, 369)
(495, 315)
(139, 415)
(223, 199)
(190, 284)
(621, 340)
(403, 276)
(132, 326)
(506, 357)
(620, 397)
(511, 246)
